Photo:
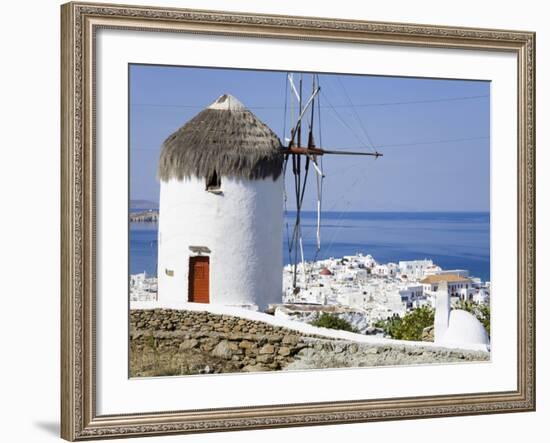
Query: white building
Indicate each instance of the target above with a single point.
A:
(389, 269)
(461, 272)
(432, 270)
(221, 210)
(345, 283)
(142, 287)
(481, 296)
(415, 269)
(458, 287)
(409, 293)
(368, 261)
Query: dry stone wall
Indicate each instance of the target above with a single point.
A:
(179, 342)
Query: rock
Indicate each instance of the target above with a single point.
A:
(234, 347)
(188, 344)
(414, 351)
(206, 370)
(319, 346)
(307, 353)
(267, 349)
(255, 368)
(265, 358)
(246, 344)
(210, 343)
(290, 340)
(428, 334)
(284, 351)
(223, 350)
(274, 338)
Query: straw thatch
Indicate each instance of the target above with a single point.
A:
(225, 138)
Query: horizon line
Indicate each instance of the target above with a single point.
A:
(361, 210)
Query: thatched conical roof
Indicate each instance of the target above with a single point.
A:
(226, 138)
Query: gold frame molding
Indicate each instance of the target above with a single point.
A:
(79, 22)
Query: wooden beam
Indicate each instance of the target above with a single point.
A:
(320, 151)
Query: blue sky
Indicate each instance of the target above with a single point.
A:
(434, 134)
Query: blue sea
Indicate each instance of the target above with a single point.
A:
(453, 240)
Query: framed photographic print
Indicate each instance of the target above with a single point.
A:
(282, 221)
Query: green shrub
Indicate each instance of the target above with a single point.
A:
(332, 321)
(390, 326)
(410, 326)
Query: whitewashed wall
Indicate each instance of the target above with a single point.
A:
(242, 227)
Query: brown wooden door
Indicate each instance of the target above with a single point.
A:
(199, 279)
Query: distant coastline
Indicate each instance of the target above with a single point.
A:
(452, 240)
(143, 211)
(148, 216)
(143, 204)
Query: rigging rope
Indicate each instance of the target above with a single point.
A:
(361, 124)
(343, 121)
(320, 180)
(285, 162)
(344, 210)
(358, 105)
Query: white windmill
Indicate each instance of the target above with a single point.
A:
(221, 204)
(221, 210)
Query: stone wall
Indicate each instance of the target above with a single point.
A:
(179, 342)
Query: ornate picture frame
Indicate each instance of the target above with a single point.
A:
(80, 23)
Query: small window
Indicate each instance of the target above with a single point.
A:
(214, 182)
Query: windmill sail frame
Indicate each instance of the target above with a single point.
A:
(294, 151)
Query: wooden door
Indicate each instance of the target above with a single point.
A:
(199, 279)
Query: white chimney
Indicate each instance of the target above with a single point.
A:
(442, 311)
